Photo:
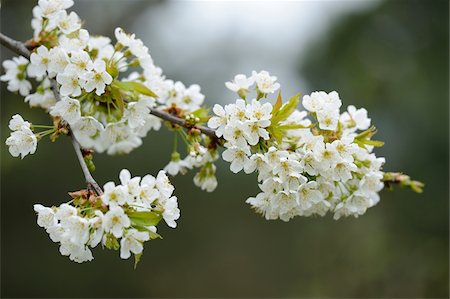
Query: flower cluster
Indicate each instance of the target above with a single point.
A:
(124, 217)
(304, 167)
(107, 112)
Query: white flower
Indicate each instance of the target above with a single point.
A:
(148, 193)
(39, 62)
(16, 75)
(65, 211)
(22, 142)
(132, 243)
(237, 156)
(98, 78)
(287, 167)
(320, 100)
(137, 112)
(68, 23)
(218, 122)
(70, 86)
(43, 97)
(240, 83)
(253, 131)
(260, 112)
(86, 128)
(17, 122)
(356, 118)
(77, 229)
(265, 82)
(171, 211)
(206, 179)
(81, 61)
(76, 41)
(234, 134)
(132, 185)
(237, 111)
(98, 42)
(46, 216)
(328, 119)
(58, 61)
(76, 252)
(163, 184)
(96, 225)
(176, 165)
(123, 38)
(68, 109)
(114, 195)
(115, 221)
(308, 195)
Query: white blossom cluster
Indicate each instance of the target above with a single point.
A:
(105, 112)
(198, 157)
(124, 217)
(304, 168)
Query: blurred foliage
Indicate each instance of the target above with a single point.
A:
(392, 60)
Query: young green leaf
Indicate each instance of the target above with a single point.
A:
(144, 218)
(286, 110)
(135, 87)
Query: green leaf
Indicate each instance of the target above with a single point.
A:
(367, 134)
(276, 133)
(277, 105)
(135, 87)
(118, 100)
(144, 218)
(375, 143)
(294, 126)
(286, 110)
(202, 113)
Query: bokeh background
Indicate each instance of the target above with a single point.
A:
(391, 57)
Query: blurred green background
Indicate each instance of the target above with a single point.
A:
(391, 57)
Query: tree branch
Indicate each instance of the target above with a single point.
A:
(181, 122)
(21, 49)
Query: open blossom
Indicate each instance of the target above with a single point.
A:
(68, 109)
(115, 221)
(39, 62)
(132, 243)
(43, 97)
(46, 216)
(98, 78)
(176, 165)
(67, 23)
(218, 122)
(81, 62)
(59, 59)
(16, 75)
(265, 82)
(22, 140)
(69, 80)
(238, 157)
(355, 118)
(240, 84)
(17, 122)
(171, 211)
